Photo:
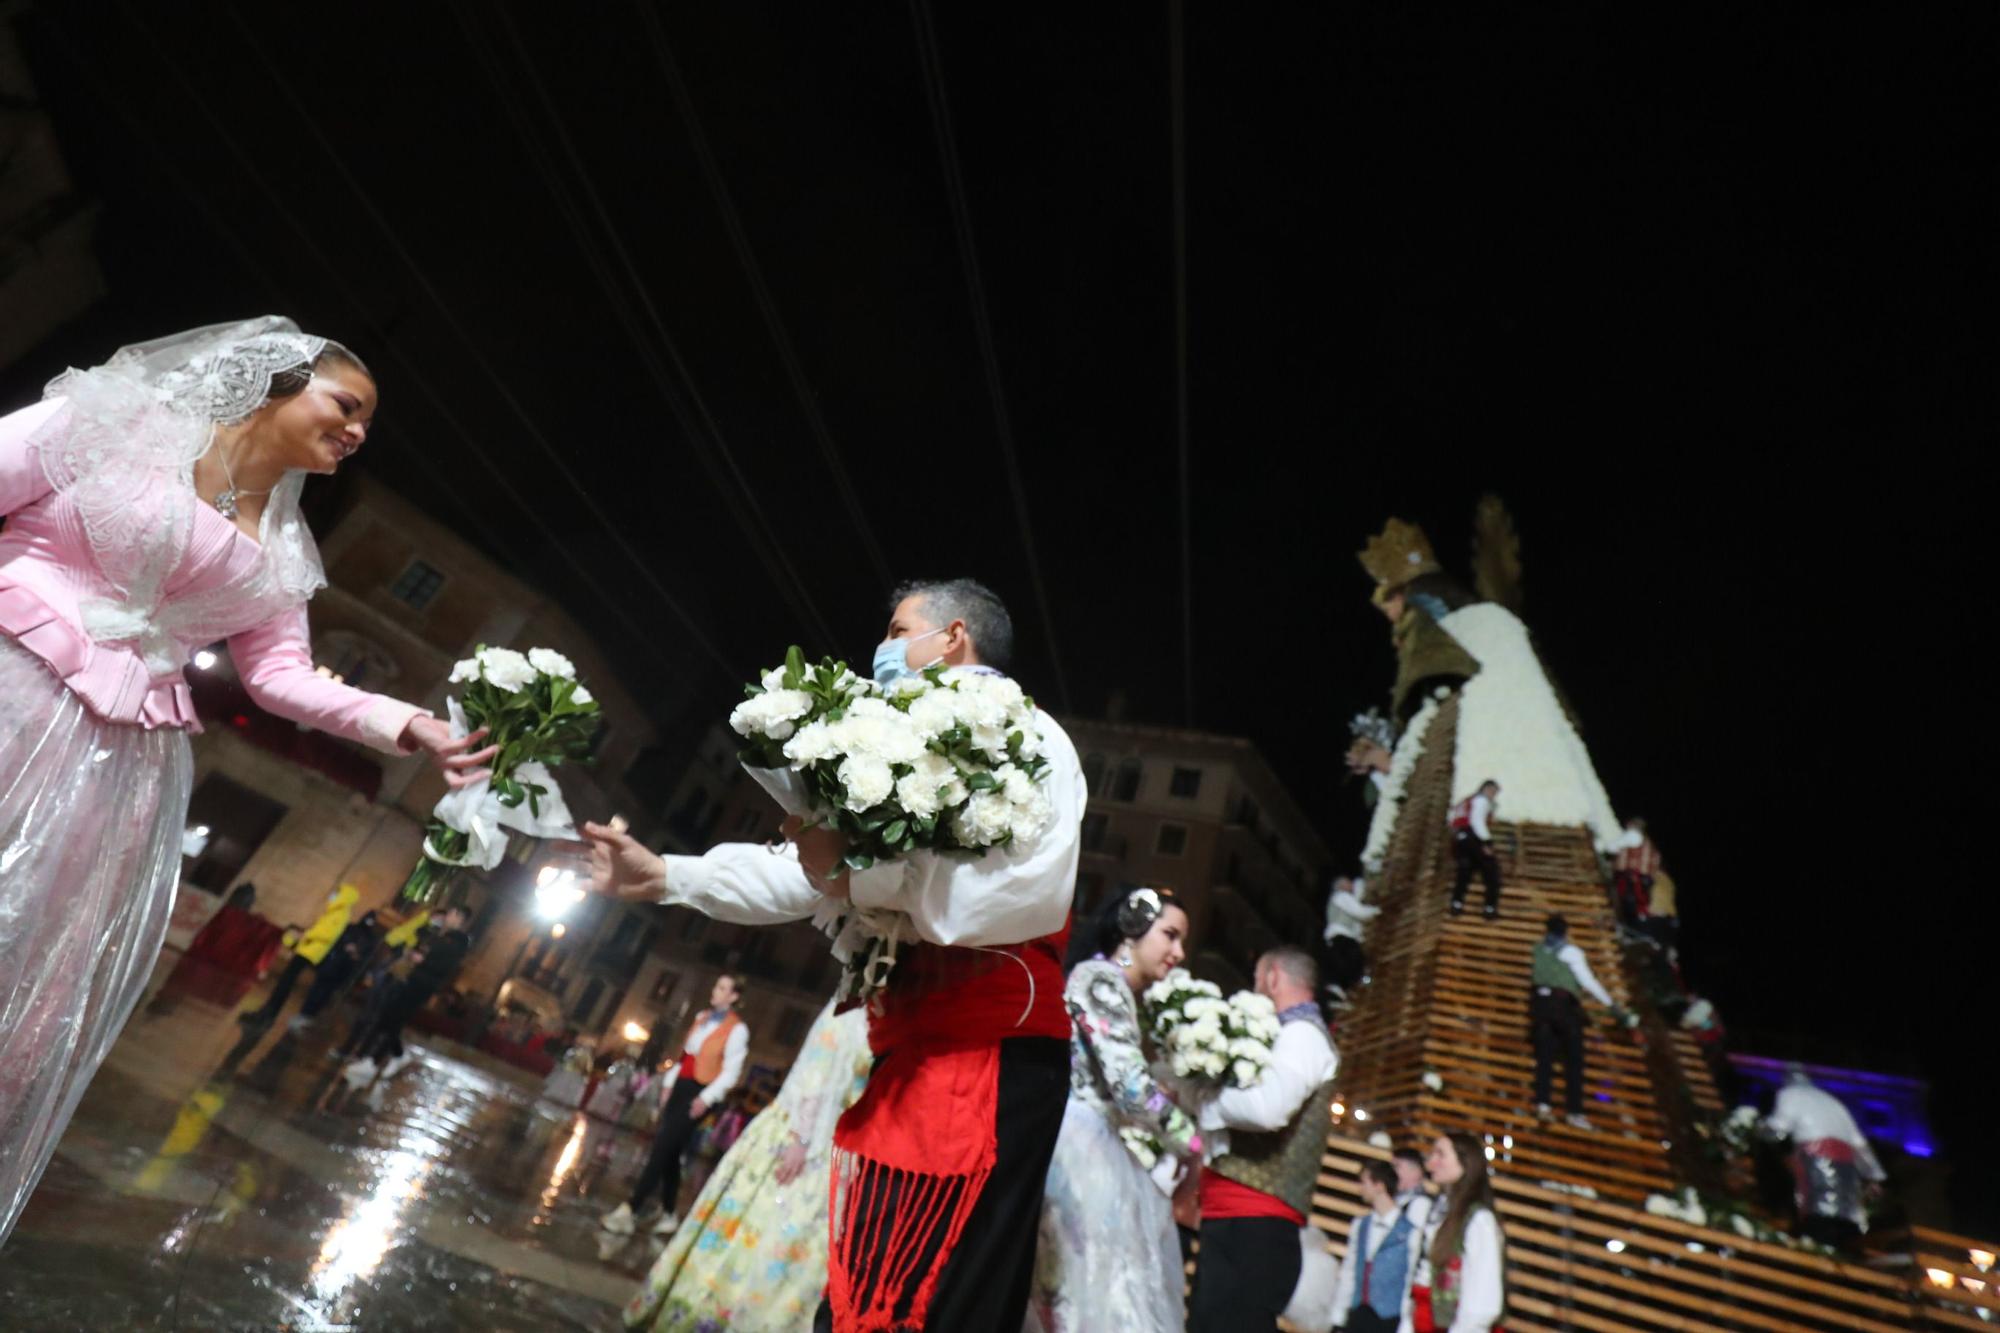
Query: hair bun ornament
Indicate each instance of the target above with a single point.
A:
(1138, 912)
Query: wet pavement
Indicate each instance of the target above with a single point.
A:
(215, 1182)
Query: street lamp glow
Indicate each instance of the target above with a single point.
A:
(558, 930)
(556, 892)
(633, 1032)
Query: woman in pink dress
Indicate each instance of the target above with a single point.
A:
(152, 508)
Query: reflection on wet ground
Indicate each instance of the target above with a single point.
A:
(212, 1181)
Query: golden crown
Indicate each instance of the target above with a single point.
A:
(1400, 554)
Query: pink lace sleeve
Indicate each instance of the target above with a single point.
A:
(275, 662)
(22, 481)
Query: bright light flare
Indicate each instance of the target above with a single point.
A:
(633, 1032)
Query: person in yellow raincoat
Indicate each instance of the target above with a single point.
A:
(311, 949)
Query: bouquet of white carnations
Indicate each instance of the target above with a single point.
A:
(540, 715)
(1206, 1038)
(1144, 1147)
(940, 762)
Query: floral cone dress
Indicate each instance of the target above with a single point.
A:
(1109, 1257)
(751, 1256)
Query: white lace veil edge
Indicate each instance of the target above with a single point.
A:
(122, 450)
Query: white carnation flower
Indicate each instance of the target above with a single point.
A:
(774, 679)
(868, 781)
(1246, 1073)
(990, 738)
(582, 696)
(552, 663)
(814, 743)
(932, 784)
(774, 713)
(506, 668)
(985, 819)
(1250, 1002)
(466, 670)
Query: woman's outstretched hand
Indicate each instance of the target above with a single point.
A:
(455, 758)
(620, 865)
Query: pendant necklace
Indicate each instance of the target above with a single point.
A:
(225, 499)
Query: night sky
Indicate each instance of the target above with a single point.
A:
(1708, 299)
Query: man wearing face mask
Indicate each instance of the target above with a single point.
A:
(942, 1160)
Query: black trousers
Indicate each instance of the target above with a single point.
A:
(384, 1037)
(1245, 1274)
(333, 973)
(1472, 854)
(1346, 962)
(1361, 1319)
(281, 992)
(1555, 1022)
(984, 1285)
(662, 1174)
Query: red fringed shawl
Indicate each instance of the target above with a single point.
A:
(912, 1155)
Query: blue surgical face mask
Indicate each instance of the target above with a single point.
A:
(892, 659)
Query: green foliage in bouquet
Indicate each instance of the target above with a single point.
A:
(536, 712)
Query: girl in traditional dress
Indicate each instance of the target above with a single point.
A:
(1109, 1256)
(751, 1257)
(152, 508)
(1458, 1285)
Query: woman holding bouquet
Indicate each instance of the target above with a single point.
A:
(1109, 1256)
(152, 508)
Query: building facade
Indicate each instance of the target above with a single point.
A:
(298, 813)
(1204, 815)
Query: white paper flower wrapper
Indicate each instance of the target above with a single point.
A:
(477, 811)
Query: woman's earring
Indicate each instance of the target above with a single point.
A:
(1125, 955)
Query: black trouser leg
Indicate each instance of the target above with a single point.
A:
(328, 978)
(1572, 1053)
(984, 1285)
(662, 1173)
(1489, 870)
(1346, 964)
(1556, 1025)
(386, 1040)
(1465, 852)
(281, 992)
(1245, 1274)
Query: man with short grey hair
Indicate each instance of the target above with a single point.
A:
(1256, 1194)
(943, 1158)
(965, 611)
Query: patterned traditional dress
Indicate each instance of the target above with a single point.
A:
(751, 1256)
(1109, 1256)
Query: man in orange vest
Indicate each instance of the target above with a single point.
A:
(710, 1063)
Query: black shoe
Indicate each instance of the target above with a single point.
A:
(1457, 907)
(254, 1019)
